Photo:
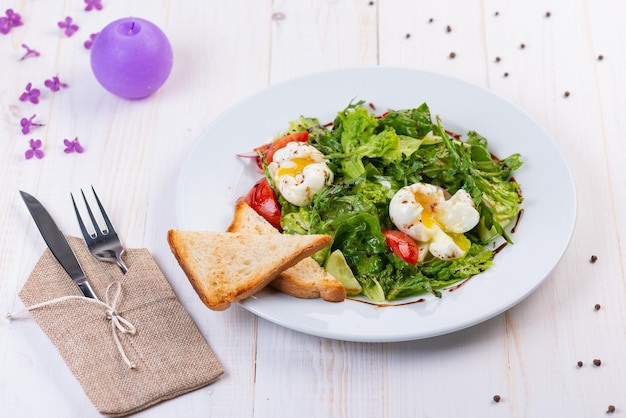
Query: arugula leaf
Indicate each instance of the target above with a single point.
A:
(372, 158)
(414, 123)
(487, 181)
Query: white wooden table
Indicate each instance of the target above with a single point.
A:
(561, 62)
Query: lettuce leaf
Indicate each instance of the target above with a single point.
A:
(372, 158)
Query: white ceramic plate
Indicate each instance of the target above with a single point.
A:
(213, 177)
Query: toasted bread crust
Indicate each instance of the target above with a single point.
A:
(307, 279)
(227, 267)
(180, 253)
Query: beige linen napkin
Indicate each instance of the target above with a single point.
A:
(168, 354)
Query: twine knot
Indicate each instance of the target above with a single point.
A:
(117, 321)
(120, 324)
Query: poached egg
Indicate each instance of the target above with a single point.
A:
(422, 211)
(299, 171)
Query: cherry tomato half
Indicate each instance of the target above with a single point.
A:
(402, 245)
(268, 150)
(262, 199)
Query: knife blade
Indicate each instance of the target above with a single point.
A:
(57, 243)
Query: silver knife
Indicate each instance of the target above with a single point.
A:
(57, 244)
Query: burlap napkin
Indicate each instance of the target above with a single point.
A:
(156, 336)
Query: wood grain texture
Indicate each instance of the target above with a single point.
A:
(227, 51)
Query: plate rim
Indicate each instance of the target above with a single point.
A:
(249, 304)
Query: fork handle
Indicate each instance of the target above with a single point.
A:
(122, 266)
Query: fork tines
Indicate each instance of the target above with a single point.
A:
(103, 243)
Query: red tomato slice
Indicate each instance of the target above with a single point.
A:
(262, 199)
(268, 150)
(262, 149)
(402, 245)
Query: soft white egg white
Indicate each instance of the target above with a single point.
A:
(299, 171)
(422, 211)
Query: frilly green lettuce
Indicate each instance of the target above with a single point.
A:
(372, 157)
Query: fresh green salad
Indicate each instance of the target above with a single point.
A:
(411, 207)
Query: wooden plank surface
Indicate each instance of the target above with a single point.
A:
(227, 51)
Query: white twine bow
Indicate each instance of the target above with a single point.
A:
(118, 323)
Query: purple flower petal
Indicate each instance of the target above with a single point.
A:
(93, 4)
(30, 94)
(55, 84)
(34, 151)
(29, 52)
(14, 18)
(11, 20)
(88, 43)
(72, 146)
(68, 26)
(25, 125)
(5, 25)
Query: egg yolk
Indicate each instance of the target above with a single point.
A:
(429, 221)
(295, 168)
(428, 216)
(461, 241)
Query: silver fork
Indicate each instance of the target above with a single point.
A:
(104, 244)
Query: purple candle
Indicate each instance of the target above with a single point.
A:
(131, 58)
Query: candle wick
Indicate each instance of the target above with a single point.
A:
(132, 28)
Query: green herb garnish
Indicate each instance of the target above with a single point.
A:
(372, 158)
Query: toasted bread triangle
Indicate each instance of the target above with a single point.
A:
(227, 267)
(307, 279)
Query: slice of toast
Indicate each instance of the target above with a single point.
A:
(227, 267)
(307, 279)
